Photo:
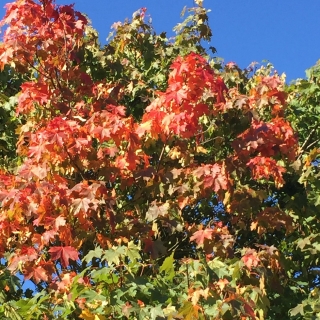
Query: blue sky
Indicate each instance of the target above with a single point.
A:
(284, 32)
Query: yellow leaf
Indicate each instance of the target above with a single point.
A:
(226, 198)
(201, 149)
(87, 315)
(175, 153)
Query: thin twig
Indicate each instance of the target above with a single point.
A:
(304, 146)
(65, 53)
(58, 81)
(75, 164)
(161, 154)
(36, 69)
(188, 280)
(311, 144)
(308, 138)
(58, 274)
(211, 139)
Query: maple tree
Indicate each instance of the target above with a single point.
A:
(147, 180)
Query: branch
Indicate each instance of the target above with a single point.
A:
(160, 158)
(311, 144)
(46, 76)
(66, 51)
(57, 271)
(304, 146)
(36, 69)
(161, 154)
(58, 81)
(75, 164)
(211, 139)
(308, 138)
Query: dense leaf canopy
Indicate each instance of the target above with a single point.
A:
(145, 179)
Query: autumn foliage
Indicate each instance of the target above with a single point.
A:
(149, 180)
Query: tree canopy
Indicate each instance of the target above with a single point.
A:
(146, 179)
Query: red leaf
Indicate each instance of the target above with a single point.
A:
(178, 96)
(29, 252)
(30, 94)
(250, 259)
(64, 254)
(213, 177)
(154, 247)
(38, 273)
(201, 235)
(249, 311)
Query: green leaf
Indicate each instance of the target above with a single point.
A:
(96, 253)
(224, 308)
(156, 312)
(113, 255)
(236, 274)
(91, 295)
(168, 267)
(297, 310)
(219, 268)
(188, 311)
(133, 251)
(11, 313)
(212, 311)
(106, 275)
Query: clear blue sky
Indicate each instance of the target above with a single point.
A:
(284, 32)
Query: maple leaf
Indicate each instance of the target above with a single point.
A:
(222, 283)
(65, 282)
(264, 167)
(188, 311)
(59, 221)
(40, 171)
(64, 254)
(38, 150)
(213, 177)
(178, 67)
(29, 252)
(168, 267)
(176, 96)
(154, 247)
(87, 315)
(126, 309)
(81, 204)
(195, 295)
(31, 93)
(157, 210)
(200, 236)
(143, 128)
(38, 273)
(5, 56)
(250, 259)
(48, 235)
(79, 24)
(272, 82)
(249, 311)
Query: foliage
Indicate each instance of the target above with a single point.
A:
(10, 83)
(150, 180)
